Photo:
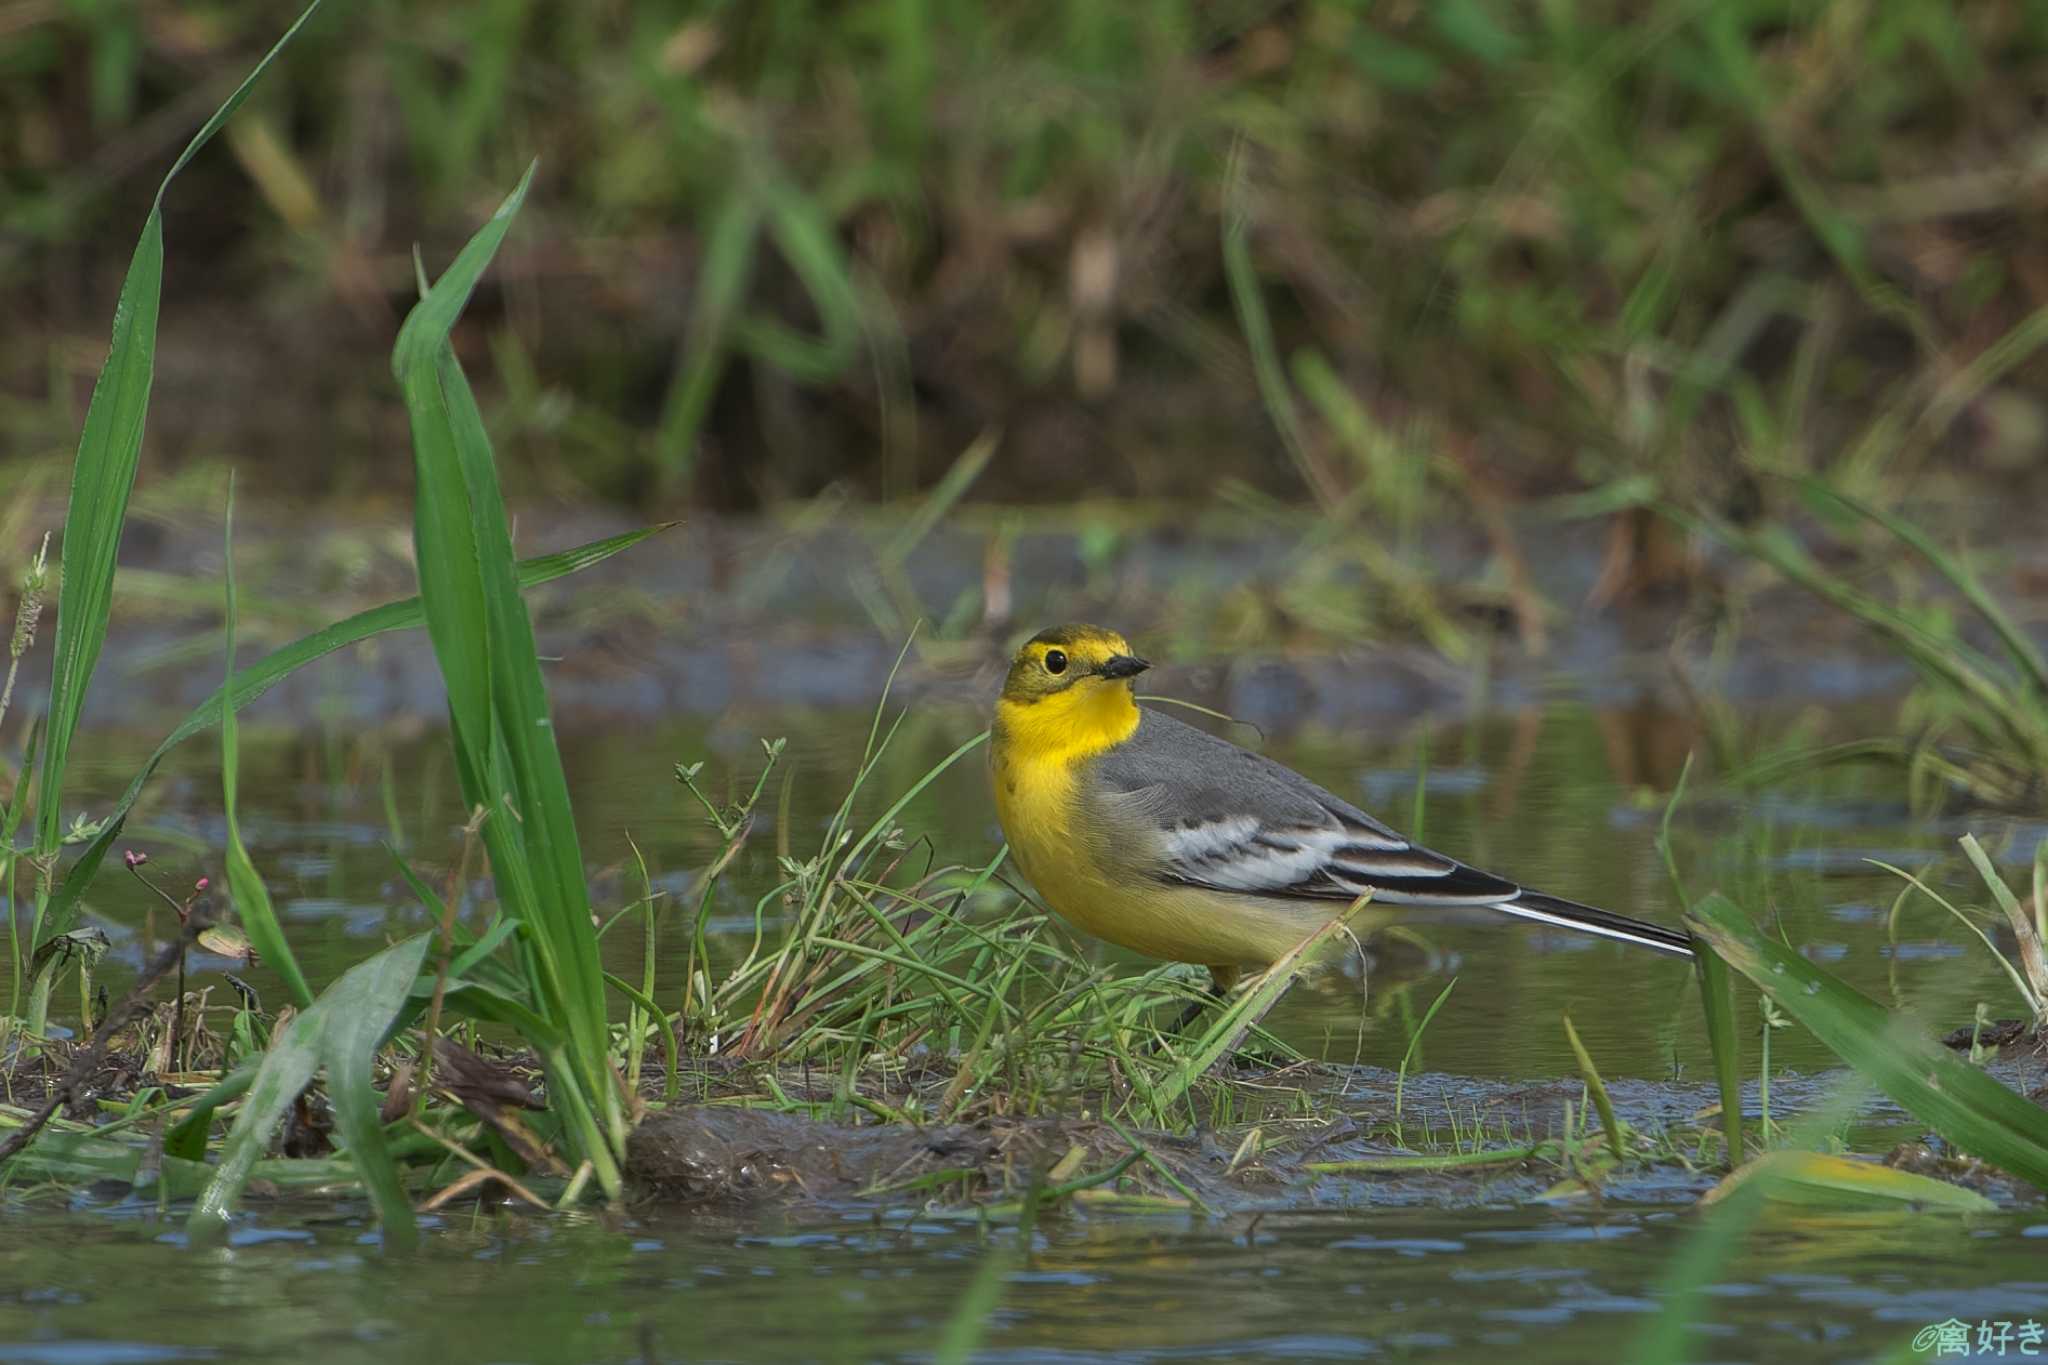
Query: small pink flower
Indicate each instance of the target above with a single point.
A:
(201, 884)
(134, 859)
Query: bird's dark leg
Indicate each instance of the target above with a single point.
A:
(1221, 982)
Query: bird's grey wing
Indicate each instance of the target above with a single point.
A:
(1227, 819)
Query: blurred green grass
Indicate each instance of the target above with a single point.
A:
(1532, 247)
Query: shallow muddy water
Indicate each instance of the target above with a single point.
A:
(118, 1284)
(1560, 795)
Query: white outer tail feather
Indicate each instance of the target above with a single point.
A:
(1583, 927)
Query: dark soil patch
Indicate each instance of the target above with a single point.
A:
(2022, 1036)
(26, 1082)
(713, 1153)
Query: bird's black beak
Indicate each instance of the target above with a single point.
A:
(1121, 666)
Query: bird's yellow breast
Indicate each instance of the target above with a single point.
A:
(1035, 761)
(1100, 879)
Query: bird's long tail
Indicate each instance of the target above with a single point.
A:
(1586, 919)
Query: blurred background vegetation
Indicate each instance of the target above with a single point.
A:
(1399, 259)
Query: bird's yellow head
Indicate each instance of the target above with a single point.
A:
(1071, 660)
(1069, 692)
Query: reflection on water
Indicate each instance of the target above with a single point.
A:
(1519, 1284)
(1567, 798)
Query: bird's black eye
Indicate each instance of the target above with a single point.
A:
(1055, 661)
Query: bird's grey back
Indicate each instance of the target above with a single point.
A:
(1210, 779)
(1226, 820)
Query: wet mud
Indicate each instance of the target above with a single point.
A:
(1344, 1156)
(725, 1154)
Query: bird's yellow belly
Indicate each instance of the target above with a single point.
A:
(1072, 867)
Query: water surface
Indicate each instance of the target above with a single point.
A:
(1408, 1284)
(1565, 796)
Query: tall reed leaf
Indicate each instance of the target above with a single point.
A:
(252, 898)
(497, 703)
(102, 476)
(1964, 1105)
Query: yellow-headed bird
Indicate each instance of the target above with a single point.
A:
(1168, 841)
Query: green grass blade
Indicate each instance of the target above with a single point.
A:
(1597, 1088)
(653, 1011)
(1243, 279)
(966, 468)
(884, 822)
(1999, 711)
(234, 101)
(2018, 646)
(10, 876)
(340, 1031)
(731, 243)
(1717, 999)
(78, 1158)
(2023, 984)
(252, 898)
(497, 701)
(808, 240)
(259, 677)
(546, 822)
(425, 330)
(485, 1001)
(1823, 1180)
(288, 1068)
(1415, 1042)
(103, 474)
(1252, 1004)
(186, 1138)
(1964, 1105)
(348, 1041)
(101, 477)
(2031, 976)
